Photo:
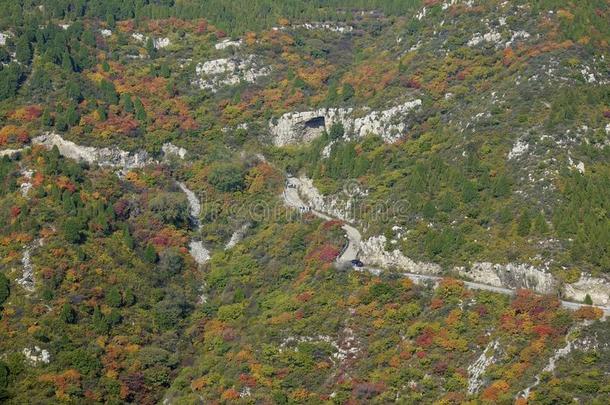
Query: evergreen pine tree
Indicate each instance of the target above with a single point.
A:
(67, 314)
(525, 224)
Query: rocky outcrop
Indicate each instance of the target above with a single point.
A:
(237, 236)
(227, 43)
(36, 355)
(196, 248)
(169, 149)
(26, 186)
(511, 275)
(342, 207)
(478, 368)
(161, 43)
(27, 280)
(10, 152)
(303, 127)
(108, 157)
(215, 74)
(374, 252)
(597, 288)
(3, 37)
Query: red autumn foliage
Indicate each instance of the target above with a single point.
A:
(411, 83)
(247, 380)
(528, 302)
(426, 338)
(37, 179)
(27, 114)
(304, 297)
(15, 211)
(202, 27)
(325, 253)
(588, 313)
(544, 330)
(334, 224)
(367, 390)
(436, 303)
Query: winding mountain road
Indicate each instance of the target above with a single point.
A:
(354, 238)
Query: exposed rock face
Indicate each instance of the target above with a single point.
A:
(214, 74)
(27, 280)
(477, 369)
(109, 157)
(237, 236)
(335, 206)
(169, 149)
(26, 186)
(227, 43)
(36, 355)
(511, 276)
(9, 152)
(161, 43)
(196, 248)
(373, 249)
(597, 288)
(3, 37)
(519, 148)
(300, 127)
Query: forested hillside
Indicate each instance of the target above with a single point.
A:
(304, 202)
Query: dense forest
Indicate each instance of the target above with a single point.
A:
(148, 253)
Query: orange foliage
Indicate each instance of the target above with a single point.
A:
(13, 134)
(509, 57)
(588, 313)
(250, 38)
(263, 176)
(230, 395)
(199, 384)
(62, 382)
(493, 392)
(64, 183)
(27, 113)
(450, 287)
(324, 254)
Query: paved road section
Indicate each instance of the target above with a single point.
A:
(294, 200)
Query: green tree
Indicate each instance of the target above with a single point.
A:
(226, 177)
(140, 111)
(127, 102)
(129, 299)
(109, 94)
(72, 230)
(67, 314)
(525, 224)
(23, 50)
(113, 297)
(150, 254)
(588, 300)
(5, 290)
(46, 120)
(10, 79)
(150, 48)
(348, 92)
(540, 225)
(336, 131)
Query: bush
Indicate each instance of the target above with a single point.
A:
(5, 290)
(227, 178)
(171, 208)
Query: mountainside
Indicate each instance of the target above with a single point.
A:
(289, 202)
